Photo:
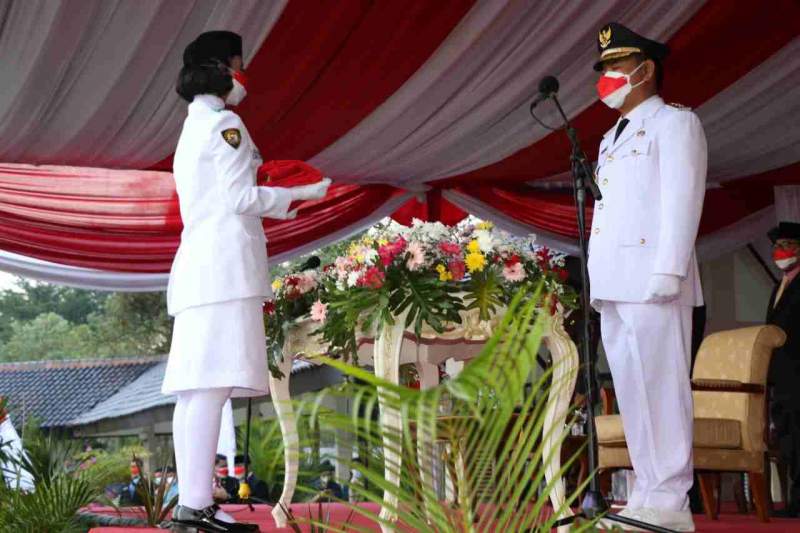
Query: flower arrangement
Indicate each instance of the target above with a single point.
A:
(428, 273)
(423, 274)
(295, 295)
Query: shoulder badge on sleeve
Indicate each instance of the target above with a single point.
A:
(679, 106)
(232, 136)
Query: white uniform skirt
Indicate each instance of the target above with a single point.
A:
(219, 345)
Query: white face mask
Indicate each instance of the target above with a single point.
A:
(613, 90)
(237, 94)
(786, 264)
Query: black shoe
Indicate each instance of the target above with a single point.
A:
(188, 520)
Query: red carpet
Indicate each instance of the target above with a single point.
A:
(728, 522)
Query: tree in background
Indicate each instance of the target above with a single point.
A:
(41, 321)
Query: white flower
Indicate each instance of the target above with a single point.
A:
(485, 240)
(352, 278)
(370, 255)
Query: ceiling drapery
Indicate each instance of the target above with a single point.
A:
(391, 99)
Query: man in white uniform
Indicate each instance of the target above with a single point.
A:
(651, 171)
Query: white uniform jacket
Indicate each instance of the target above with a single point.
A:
(223, 250)
(653, 184)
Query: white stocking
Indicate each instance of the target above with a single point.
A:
(196, 423)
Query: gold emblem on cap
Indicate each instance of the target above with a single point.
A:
(605, 37)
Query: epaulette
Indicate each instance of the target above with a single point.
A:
(679, 106)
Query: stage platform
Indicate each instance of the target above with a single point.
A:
(728, 522)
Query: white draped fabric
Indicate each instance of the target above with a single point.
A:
(91, 82)
(752, 126)
(787, 203)
(467, 106)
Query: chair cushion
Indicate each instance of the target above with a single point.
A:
(716, 433)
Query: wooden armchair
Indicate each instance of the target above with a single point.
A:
(729, 384)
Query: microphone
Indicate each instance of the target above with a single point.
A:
(311, 263)
(547, 88)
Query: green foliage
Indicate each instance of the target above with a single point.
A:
(267, 459)
(496, 437)
(41, 321)
(485, 293)
(60, 489)
(152, 490)
(30, 299)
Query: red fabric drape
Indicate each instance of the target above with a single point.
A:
(129, 220)
(434, 207)
(554, 211)
(324, 67)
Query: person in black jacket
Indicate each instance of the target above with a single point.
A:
(784, 373)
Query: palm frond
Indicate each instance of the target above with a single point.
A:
(493, 438)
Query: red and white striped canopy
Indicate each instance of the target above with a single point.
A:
(397, 101)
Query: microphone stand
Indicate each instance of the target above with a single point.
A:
(593, 503)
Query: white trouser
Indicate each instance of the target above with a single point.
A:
(648, 347)
(195, 432)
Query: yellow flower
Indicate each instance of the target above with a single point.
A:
(473, 246)
(382, 242)
(444, 274)
(485, 225)
(475, 261)
(277, 284)
(367, 241)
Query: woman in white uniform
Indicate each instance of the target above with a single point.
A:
(219, 278)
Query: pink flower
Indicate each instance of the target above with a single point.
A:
(372, 278)
(319, 311)
(514, 273)
(416, 256)
(450, 248)
(306, 282)
(457, 268)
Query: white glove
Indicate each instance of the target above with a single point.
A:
(662, 288)
(315, 191)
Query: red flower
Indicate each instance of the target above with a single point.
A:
(543, 258)
(457, 268)
(450, 248)
(511, 261)
(389, 251)
(563, 275)
(269, 307)
(373, 278)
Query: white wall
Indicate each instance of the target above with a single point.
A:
(736, 288)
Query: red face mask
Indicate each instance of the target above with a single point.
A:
(785, 258)
(222, 472)
(241, 77)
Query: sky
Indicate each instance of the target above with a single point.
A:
(6, 280)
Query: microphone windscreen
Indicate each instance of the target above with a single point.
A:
(312, 263)
(548, 85)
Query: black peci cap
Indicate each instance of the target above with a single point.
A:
(785, 230)
(211, 45)
(615, 40)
